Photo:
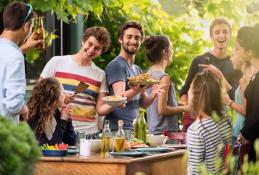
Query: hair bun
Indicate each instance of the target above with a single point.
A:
(149, 42)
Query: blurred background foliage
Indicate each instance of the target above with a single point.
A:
(186, 22)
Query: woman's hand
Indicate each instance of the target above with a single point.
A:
(66, 112)
(242, 140)
(213, 69)
(68, 98)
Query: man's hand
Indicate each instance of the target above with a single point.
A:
(31, 42)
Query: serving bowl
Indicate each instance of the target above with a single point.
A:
(114, 101)
(54, 153)
(156, 140)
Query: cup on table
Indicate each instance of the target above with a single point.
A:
(85, 148)
(80, 137)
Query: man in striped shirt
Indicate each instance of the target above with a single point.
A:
(71, 69)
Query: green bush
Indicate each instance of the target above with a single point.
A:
(19, 150)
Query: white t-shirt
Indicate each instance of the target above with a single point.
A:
(69, 74)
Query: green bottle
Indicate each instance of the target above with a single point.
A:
(142, 126)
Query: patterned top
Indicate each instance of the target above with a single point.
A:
(69, 74)
(206, 140)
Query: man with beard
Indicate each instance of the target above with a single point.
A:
(72, 69)
(220, 33)
(18, 19)
(117, 72)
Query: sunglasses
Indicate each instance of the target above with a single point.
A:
(29, 12)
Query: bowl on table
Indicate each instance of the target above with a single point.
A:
(54, 153)
(156, 140)
(114, 101)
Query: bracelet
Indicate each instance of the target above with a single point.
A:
(230, 103)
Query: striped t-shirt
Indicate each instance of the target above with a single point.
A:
(206, 140)
(69, 74)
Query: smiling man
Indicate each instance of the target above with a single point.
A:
(71, 69)
(220, 33)
(117, 72)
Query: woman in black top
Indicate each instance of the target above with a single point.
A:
(250, 131)
(50, 125)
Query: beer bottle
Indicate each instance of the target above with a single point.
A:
(40, 32)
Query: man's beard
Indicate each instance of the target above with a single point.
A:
(125, 48)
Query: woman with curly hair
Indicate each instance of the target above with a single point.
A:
(209, 133)
(50, 125)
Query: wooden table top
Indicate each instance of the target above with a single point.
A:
(95, 158)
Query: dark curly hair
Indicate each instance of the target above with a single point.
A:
(44, 101)
(206, 90)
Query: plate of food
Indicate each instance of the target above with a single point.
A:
(134, 145)
(142, 79)
(114, 101)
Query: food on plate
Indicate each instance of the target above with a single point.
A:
(142, 79)
(54, 147)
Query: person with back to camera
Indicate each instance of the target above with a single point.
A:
(18, 19)
(211, 130)
(162, 113)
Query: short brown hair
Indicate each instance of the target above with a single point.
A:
(217, 21)
(101, 34)
(131, 24)
(16, 14)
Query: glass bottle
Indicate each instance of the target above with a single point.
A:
(40, 31)
(119, 138)
(142, 127)
(106, 140)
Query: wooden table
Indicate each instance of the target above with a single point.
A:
(171, 163)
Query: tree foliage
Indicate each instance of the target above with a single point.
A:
(186, 22)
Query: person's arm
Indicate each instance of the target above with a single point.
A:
(213, 69)
(163, 108)
(192, 72)
(30, 43)
(119, 90)
(101, 107)
(67, 131)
